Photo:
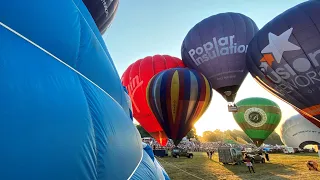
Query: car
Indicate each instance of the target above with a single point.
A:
(178, 152)
(257, 158)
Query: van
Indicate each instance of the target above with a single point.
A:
(288, 150)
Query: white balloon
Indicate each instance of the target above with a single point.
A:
(297, 132)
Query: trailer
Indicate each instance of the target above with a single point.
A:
(229, 155)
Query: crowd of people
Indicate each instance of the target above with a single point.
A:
(195, 146)
(211, 147)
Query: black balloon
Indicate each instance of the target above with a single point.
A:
(102, 11)
(284, 57)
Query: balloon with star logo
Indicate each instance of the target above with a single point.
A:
(178, 98)
(284, 58)
(216, 47)
(136, 79)
(258, 117)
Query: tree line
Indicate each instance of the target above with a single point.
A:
(236, 136)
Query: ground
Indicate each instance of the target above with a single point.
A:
(281, 166)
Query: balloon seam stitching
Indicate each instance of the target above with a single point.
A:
(47, 52)
(137, 165)
(107, 54)
(56, 58)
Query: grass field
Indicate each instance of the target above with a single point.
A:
(280, 166)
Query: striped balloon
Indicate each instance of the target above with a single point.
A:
(178, 97)
(258, 117)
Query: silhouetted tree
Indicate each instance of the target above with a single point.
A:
(192, 134)
(218, 135)
(273, 139)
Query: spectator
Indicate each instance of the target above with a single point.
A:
(266, 154)
(249, 163)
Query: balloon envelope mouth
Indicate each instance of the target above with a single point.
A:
(229, 92)
(305, 143)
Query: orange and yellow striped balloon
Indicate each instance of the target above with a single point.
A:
(178, 97)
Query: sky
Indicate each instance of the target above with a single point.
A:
(143, 27)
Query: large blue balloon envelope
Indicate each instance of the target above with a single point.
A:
(284, 58)
(102, 11)
(60, 94)
(216, 47)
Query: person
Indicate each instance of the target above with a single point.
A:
(312, 165)
(249, 164)
(208, 154)
(266, 154)
(211, 153)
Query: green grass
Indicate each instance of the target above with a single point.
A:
(280, 166)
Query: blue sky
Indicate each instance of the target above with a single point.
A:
(145, 27)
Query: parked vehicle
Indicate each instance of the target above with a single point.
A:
(257, 158)
(229, 155)
(177, 153)
(160, 152)
(288, 150)
(248, 150)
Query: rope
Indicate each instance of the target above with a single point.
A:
(76, 71)
(171, 164)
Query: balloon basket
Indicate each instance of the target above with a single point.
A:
(232, 107)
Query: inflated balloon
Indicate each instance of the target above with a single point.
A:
(297, 132)
(307, 116)
(178, 98)
(136, 79)
(258, 117)
(63, 108)
(284, 58)
(129, 102)
(149, 168)
(102, 11)
(90, 62)
(216, 47)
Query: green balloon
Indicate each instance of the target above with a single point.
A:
(258, 117)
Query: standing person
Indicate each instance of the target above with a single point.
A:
(249, 164)
(208, 154)
(266, 155)
(211, 153)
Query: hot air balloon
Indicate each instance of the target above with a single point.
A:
(178, 97)
(149, 168)
(297, 132)
(129, 102)
(102, 12)
(284, 58)
(136, 79)
(62, 102)
(216, 47)
(258, 117)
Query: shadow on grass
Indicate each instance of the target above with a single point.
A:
(280, 167)
(184, 168)
(314, 154)
(262, 171)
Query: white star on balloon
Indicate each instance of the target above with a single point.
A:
(278, 44)
(264, 66)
